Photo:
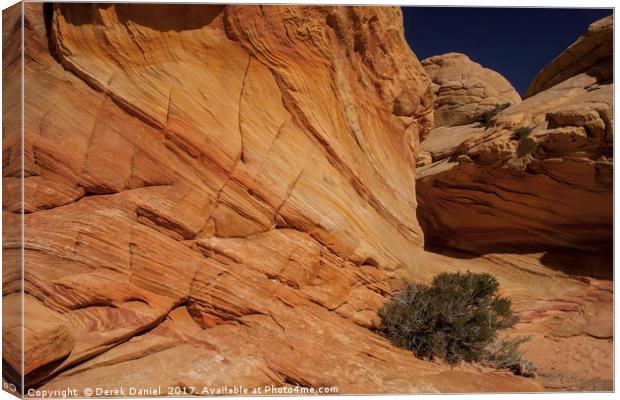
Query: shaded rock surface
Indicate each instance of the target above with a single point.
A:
(219, 195)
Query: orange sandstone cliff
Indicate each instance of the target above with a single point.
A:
(225, 195)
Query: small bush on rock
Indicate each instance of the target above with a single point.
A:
(456, 318)
(521, 133)
(487, 116)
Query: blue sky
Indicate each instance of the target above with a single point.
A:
(516, 42)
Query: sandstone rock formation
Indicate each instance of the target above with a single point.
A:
(464, 89)
(488, 188)
(224, 195)
(532, 191)
(219, 195)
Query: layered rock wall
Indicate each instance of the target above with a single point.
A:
(225, 195)
(220, 195)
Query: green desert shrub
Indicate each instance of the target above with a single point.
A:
(456, 318)
(521, 133)
(487, 116)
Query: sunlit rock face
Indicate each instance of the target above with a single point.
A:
(539, 173)
(220, 195)
(465, 90)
